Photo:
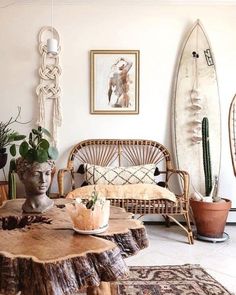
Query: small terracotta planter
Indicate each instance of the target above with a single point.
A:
(3, 191)
(210, 218)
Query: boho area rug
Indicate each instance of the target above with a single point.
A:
(169, 280)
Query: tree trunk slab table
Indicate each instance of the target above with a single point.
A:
(42, 255)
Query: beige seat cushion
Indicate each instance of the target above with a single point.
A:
(128, 191)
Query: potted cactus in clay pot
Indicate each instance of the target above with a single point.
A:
(34, 169)
(210, 211)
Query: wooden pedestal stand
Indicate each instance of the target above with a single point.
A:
(3, 191)
(47, 257)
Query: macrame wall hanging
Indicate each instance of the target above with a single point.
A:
(48, 87)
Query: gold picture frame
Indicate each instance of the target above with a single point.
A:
(114, 82)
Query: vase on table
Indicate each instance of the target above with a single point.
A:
(36, 178)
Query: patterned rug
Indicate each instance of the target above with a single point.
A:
(169, 280)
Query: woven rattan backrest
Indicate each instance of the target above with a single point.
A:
(119, 152)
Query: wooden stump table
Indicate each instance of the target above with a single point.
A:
(42, 255)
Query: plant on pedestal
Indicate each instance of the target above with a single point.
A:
(8, 139)
(34, 169)
(210, 213)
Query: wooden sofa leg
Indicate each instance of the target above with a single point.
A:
(167, 220)
(189, 228)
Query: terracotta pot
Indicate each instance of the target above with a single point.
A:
(3, 191)
(3, 157)
(210, 218)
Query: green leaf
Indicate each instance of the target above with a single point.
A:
(11, 137)
(42, 156)
(31, 142)
(34, 131)
(24, 147)
(53, 153)
(30, 156)
(44, 144)
(13, 150)
(46, 132)
(19, 137)
(12, 166)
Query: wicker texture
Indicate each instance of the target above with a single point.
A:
(120, 152)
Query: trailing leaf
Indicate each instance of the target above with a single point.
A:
(46, 132)
(44, 144)
(41, 156)
(53, 153)
(91, 203)
(24, 147)
(13, 150)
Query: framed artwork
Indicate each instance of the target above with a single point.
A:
(114, 87)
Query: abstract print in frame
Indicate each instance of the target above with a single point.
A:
(114, 82)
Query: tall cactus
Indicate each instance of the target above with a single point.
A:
(206, 156)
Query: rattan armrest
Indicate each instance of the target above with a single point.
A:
(60, 180)
(185, 180)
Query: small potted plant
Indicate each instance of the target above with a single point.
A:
(90, 215)
(34, 169)
(211, 211)
(8, 137)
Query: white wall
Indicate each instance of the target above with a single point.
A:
(157, 30)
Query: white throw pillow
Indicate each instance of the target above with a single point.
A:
(95, 174)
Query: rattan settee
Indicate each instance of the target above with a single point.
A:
(120, 152)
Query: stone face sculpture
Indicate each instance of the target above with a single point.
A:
(36, 178)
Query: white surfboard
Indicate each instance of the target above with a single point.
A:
(196, 96)
(232, 132)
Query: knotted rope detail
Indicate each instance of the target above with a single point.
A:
(48, 87)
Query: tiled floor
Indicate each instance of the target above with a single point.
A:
(168, 246)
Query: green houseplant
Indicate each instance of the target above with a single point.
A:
(37, 148)
(210, 213)
(8, 137)
(34, 169)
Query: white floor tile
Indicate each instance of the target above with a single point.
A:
(168, 246)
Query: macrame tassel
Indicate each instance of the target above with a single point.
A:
(57, 118)
(41, 118)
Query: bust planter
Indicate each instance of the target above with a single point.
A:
(36, 178)
(34, 169)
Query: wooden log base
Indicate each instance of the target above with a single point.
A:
(49, 258)
(103, 289)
